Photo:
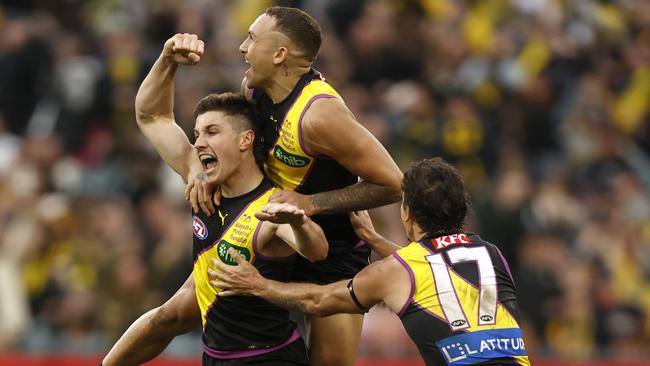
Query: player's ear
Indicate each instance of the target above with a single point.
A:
(407, 213)
(246, 139)
(280, 55)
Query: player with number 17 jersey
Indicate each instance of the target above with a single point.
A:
(462, 309)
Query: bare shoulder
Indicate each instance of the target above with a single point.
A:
(323, 125)
(324, 112)
(385, 281)
(383, 269)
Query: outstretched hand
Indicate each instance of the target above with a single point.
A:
(301, 201)
(362, 225)
(202, 195)
(184, 49)
(281, 213)
(242, 279)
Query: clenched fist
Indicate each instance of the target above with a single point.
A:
(184, 49)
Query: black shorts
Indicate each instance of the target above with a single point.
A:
(342, 262)
(294, 354)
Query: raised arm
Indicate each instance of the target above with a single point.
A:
(295, 229)
(330, 129)
(154, 105)
(384, 281)
(150, 334)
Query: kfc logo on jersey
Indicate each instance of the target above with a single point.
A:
(445, 241)
(199, 228)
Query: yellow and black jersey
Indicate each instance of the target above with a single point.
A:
(289, 166)
(462, 309)
(236, 327)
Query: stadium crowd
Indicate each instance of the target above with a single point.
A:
(544, 105)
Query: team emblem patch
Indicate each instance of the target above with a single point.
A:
(199, 228)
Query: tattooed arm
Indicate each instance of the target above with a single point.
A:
(360, 196)
(330, 129)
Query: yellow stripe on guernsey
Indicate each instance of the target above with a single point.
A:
(240, 236)
(468, 295)
(288, 163)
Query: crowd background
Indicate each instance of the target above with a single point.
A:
(543, 105)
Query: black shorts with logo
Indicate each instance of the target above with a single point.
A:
(294, 354)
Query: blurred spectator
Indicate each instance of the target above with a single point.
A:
(544, 105)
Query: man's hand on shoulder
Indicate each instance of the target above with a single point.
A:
(202, 195)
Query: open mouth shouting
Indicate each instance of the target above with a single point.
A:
(209, 162)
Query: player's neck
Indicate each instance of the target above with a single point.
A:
(245, 179)
(417, 233)
(283, 83)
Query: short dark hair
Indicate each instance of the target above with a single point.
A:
(230, 104)
(435, 193)
(300, 27)
(235, 105)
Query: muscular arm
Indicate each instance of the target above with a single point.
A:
(154, 106)
(311, 299)
(360, 196)
(291, 225)
(330, 129)
(384, 281)
(306, 238)
(148, 336)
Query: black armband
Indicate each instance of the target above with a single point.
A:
(354, 298)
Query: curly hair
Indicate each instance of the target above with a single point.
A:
(435, 193)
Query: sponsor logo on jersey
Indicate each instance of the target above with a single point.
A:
(294, 161)
(447, 240)
(222, 252)
(199, 228)
(481, 346)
